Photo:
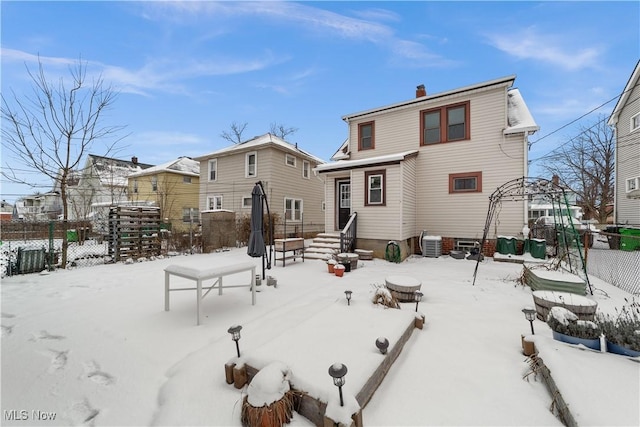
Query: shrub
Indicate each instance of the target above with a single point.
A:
(624, 328)
(566, 322)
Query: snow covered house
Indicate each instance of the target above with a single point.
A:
(101, 183)
(171, 186)
(38, 207)
(293, 190)
(625, 120)
(430, 163)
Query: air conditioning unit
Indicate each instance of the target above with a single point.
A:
(431, 246)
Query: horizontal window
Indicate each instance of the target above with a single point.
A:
(375, 188)
(445, 124)
(470, 182)
(633, 184)
(246, 202)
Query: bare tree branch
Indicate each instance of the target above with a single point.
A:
(235, 136)
(281, 131)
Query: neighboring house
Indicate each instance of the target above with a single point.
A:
(625, 120)
(430, 164)
(293, 190)
(6, 211)
(173, 187)
(102, 183)
(38, 207)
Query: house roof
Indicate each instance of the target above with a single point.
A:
(182, 166)
(114, 172)
(260, 142)
(342, 153)
(371, 161)
(508, 80)
(622, 101)
(519, 117)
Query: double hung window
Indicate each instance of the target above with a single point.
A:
(375, 188)
(445, 124)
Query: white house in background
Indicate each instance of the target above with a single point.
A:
(430, 163)
(625, 120)
(38, 207)
(293, 190)
(102, 183)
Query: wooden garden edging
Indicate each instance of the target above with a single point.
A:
(558, 402)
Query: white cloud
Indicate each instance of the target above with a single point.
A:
(555, 49)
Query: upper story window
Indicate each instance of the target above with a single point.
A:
(366, 136)
(445, 124)
(186, 179)
(251, 165)
(214, 202)
(154, 183)
(633, 184)
(306, 169)
(290, 160)
(213, 169)
(635, 122)
(293, 209)
(135, 185)
(375, 188)
(469, 182)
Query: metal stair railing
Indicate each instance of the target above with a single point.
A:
(348, 234)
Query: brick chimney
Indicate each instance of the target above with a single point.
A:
(134, 160)
(421, 91)
(555, 179)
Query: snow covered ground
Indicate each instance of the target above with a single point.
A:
(94, 346)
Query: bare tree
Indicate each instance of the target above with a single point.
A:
(51, 130)
(235, 134)
(281, 131)
(585, 164)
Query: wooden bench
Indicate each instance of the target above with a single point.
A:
(200, 275)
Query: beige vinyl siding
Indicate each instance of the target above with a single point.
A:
(499, 158)
(378, 222)
(409, 198)
(628, 161)
(278, 179)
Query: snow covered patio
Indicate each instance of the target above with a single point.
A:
(94, 346)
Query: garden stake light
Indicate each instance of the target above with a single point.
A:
(348, 294)
(337, 371)
(530, 315)
(382, 343)
(235, 335)
(417, 296)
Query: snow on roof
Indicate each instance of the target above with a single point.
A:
(424, 99)
(181, 165)
(349, 164)
(518, 115)
(114, 172)
(343, 152)
(258, 142)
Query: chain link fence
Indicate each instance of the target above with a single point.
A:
(615, 258)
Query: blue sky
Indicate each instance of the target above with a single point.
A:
(187, 70)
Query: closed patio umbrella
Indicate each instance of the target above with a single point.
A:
(256, 247)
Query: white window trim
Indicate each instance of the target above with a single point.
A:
(245, 198)
(287, 157)
(213, 162)
(246, 165)
(306, 169)
(636, 184)
(635, 116)
(217, 199)
(381, 189)
(294, 218)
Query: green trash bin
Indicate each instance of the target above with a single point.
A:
(506, 245)
(538, 248)
(72, 235)
(629, 239)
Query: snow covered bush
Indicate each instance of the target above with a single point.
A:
(624, 328)
(566, 322)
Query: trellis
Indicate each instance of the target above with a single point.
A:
(570, 247)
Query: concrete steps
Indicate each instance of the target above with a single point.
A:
(323, 246)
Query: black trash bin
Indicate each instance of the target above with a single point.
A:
(613, 236)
